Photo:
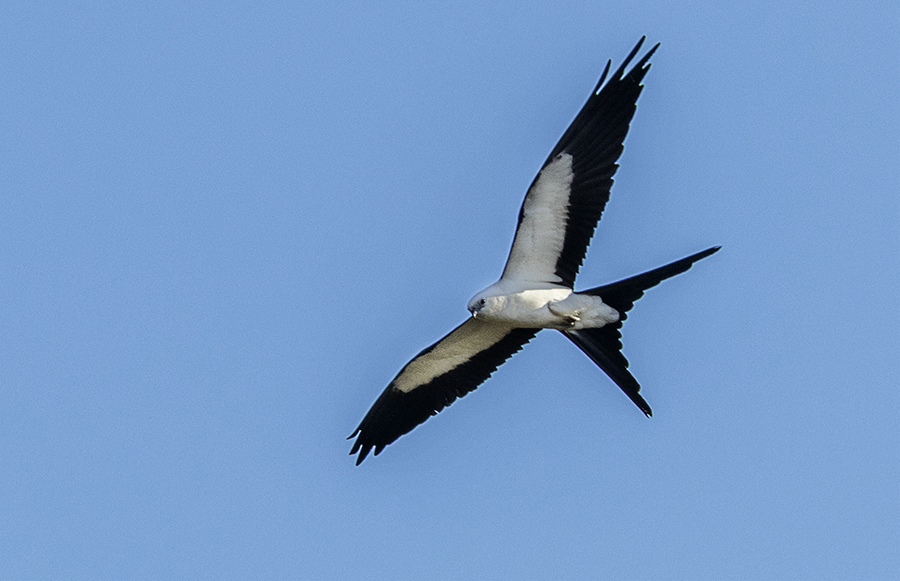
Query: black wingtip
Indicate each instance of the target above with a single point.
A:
(640, 64)
(620, 72)
(359, 447)
(362, 456)
(635, 50)
(603, 77)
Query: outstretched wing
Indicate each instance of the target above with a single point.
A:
(565, 200)
(451, 368)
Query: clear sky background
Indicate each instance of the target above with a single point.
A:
(226, 226)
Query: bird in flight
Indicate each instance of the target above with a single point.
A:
(536, 290)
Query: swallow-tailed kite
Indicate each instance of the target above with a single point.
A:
(536, 290)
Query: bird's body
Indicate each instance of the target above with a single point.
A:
(556, 307)
(536, 290)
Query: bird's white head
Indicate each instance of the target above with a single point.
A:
(484, 305)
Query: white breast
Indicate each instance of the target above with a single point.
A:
(527, 308)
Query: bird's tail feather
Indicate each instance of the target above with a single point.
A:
(603, 347)
(604, 344)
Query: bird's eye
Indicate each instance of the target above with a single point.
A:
(482, 301)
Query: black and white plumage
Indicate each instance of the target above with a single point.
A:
(536, 290)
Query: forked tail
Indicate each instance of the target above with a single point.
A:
(604, 344)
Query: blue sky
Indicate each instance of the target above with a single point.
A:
(225, 227)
